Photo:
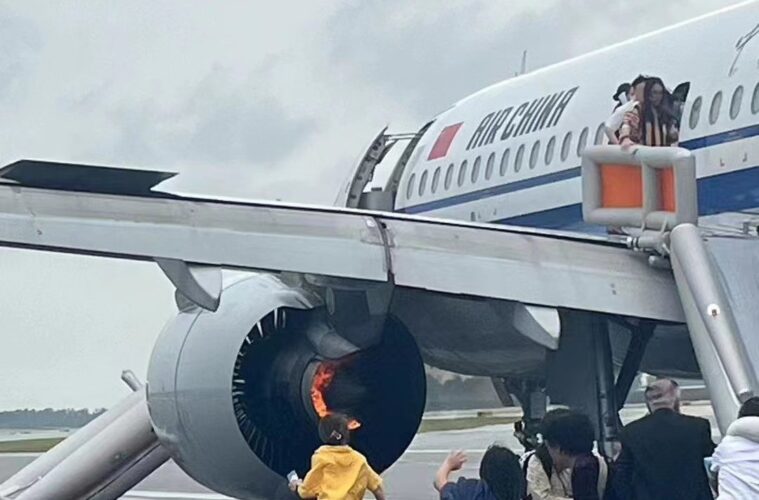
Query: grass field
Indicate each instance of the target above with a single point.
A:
(28, 445)
(432, 425)
(457, 424)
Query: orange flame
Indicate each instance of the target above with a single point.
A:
(322, 380)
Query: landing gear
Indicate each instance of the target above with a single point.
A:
(532, 398)
(580, 375)
(608, 410)
(640, 336)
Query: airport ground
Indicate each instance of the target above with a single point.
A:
(409, 479)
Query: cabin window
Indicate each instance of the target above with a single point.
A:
(518, 159)
(715, 109)
(534, 154)
(600, 133)
(735, 102)
(695, 112)
(504, 162)
(583, 141)
(462, 173)
(679, 98)
(476, 169)
(410, 187)
(565, 146)
(549, 150)
(435, 180)
(755, 100)
(448, 177)
(489, 167)
(423, 183)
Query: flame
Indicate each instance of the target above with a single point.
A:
(322, 379)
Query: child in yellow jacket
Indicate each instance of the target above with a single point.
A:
(338, 472)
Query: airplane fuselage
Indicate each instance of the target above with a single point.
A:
(511, 153)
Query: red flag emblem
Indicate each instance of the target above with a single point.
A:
(443, 142)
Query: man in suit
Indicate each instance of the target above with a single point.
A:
(663, 453)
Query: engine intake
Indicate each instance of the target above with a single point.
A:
(236, 395)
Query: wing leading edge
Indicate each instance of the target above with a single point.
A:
(526, 265)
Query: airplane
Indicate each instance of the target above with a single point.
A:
(474, 257)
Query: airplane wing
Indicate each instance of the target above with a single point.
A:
(119, 213)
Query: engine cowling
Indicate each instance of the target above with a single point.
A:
(235, 395)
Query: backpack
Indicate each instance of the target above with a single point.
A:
(545, 461)
(541, 452)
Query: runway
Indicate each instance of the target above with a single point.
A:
(409, 479)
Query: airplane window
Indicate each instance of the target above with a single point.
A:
(489, 166)
(423, 183)
(582, 141)
(695, 112)
(504, 162)
(549, 150)
(735, 102)
(476, 169)
(462, 173)
(565, 146)
(755, 100)
(679, 98)
(534, 154)
(518, 159)
(448, 177)
(716, 105)
(410, 187)
(435, 180)
(600, 134)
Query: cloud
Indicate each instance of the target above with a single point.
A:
(217, 123)
(19, 41)
(428, 56)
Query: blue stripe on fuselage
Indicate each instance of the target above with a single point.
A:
(729, 192)
(715, 199)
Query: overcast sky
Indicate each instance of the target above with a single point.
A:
(275, 101)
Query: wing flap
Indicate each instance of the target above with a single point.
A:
(84, 178)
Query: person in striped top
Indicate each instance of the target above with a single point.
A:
(651, 121)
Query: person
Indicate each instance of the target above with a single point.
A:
(622, 95)
(663, 453)
(338, 472)
(500, 477)
(626, 101)
(650, 121)
(544, 482)
(660, 122)
(736, 460)
(569, 438)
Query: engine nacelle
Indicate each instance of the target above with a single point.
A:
(231, 392)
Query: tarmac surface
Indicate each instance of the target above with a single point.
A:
(409, 479)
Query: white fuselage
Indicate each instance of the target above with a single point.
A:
(511, 152)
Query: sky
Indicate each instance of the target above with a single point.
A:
(272, 100)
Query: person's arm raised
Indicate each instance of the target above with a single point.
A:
(454, 462)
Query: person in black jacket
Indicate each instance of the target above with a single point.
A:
(663, 453)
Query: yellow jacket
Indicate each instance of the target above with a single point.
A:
(338, 473)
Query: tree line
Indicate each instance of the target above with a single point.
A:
(47, 418)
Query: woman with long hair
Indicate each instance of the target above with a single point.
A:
(651, 122)
(658, 123)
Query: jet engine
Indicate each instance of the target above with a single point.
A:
(235, 395)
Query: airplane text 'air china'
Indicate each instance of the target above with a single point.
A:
(528, 117)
